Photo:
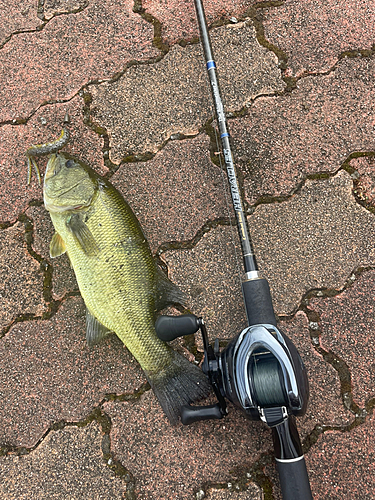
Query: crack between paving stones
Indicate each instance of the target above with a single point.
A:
(44, 21)
(361, 415)
(52, 305)
(342, 370)
(255, 13)
(192, 242)
(246, 475)
(323, 175)
(102, 418)
(348, 54)
(156, 24)
(270, 199)
(323, 292)
(358, 190)
(23, 121)
(82, 90)
(102, 132)
(256, 474)
(236, 486)
(45, 267)
(52, 309)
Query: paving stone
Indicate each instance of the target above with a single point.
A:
(67, 464)
(314, 34)
(178, 19)
(173, 462)
(211, 276)
(17, 16)
(44, 126)
(365, 189)
(252, 492)
(176, 192)
(310, 130)
(60, 60)
(21, 279)
(313, 240)
(50, 374)
(325, 403)
(347, 325)
(150, 103)
(341, 465)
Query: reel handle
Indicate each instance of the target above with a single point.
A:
(170, 327)
(190, 414)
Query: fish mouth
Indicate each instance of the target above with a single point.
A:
(51, 207)
(57, 208)
(51, 168)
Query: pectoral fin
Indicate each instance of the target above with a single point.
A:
(82, 235)
(57, 246)
(95, 331)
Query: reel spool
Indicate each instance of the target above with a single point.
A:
(266, 374)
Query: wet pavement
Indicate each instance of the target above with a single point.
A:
(298, 82)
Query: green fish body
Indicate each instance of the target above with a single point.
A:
(119, 281)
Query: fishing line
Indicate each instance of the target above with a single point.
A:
(267, 379)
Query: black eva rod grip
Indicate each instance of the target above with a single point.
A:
(170, 327)
(190, 414)
(258, 302)
(294, 480)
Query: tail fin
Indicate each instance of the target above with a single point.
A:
(180, 383)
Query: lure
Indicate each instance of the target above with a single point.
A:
(43, 150)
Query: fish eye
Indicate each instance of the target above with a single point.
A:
(69, 164)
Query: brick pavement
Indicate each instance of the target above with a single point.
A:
(298, 79)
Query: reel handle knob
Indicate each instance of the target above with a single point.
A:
(170, 327)
(190, 414)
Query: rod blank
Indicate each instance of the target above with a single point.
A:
(247, 249)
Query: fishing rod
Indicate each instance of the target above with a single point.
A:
(260, 371)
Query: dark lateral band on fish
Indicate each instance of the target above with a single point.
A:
(44, 150)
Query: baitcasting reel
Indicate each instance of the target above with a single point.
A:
(261, 372)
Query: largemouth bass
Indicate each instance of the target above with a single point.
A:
(120, 283)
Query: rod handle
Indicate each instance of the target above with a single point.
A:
(170, 327)
(294, 480)
(258, 302)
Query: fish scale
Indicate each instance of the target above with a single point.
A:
(119, 281)
(116, 289)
